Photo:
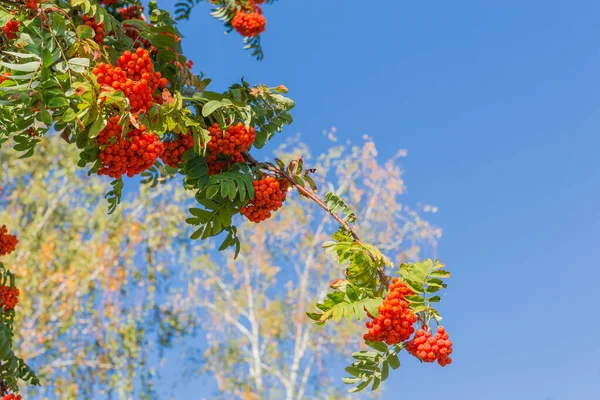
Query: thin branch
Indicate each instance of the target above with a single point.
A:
(317, 200)
(228, 317)
(12, 3)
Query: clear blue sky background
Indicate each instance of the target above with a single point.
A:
(498, 104)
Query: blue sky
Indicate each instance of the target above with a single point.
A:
(498, 104)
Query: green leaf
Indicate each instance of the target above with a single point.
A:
(385, 370)
(417, 309)
(432, 289)
(365, 355)
(79, 65)
(372, 305)
(22, 55)
(394, 361)
(359, 310)
(434, 299)
(58, 102)
(379, 346)
(241, 188)
(212, 190)
(435, 282)
(360, 387)
(27, 67)
(338, 313)
(45, 116)
(351, 292)
(415, 287)
(440, 273)
(232, 189)
(354, 371)
(314, 316)
(224, 189)
(96, 127)
(376, 383)
(85, 32)
(210, 107)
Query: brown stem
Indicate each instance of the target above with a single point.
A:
(317, 200)
(12, 3)
(58, 10)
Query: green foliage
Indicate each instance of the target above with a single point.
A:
(372, 367)
(425, 279)
(347, 302)
(12, 368)
(223, 10)
(220, 196)
(271, 110)
(337, 204)
(362, 261)
(114, 196)
(50, 85)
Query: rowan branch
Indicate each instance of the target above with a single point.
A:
(317, 200)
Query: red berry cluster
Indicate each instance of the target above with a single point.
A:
(97, 27)
(218, 164)
(226, 149)
(269, 195)
(4, 77)
(249, 23)
(131, 12)
(12, 396)
(135, 76)
(189, 64)
(107, 3)
(130, 155)
(11, 28)
(395, 321)
(428, 349)
(32, 4)
(174, 149)
(236, 139)
(9, 297)
(8, 243)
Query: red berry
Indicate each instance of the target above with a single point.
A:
(224, 149)
(8, 297)
(134, 75)
(11, 28)
(131, 12)
(12, 396)
(97, 27)
(8, 243)
(249, 23)
(395, 321)
(269, 195)
(174, 149)
(431, 349)
(129, 155)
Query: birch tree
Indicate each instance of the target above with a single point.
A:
(262, 345)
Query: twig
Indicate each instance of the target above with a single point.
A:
(12, 3)
(317, 200)
(304, 191)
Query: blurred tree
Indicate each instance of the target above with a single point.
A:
(102, 296)
(90, 283)
(261, 345)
